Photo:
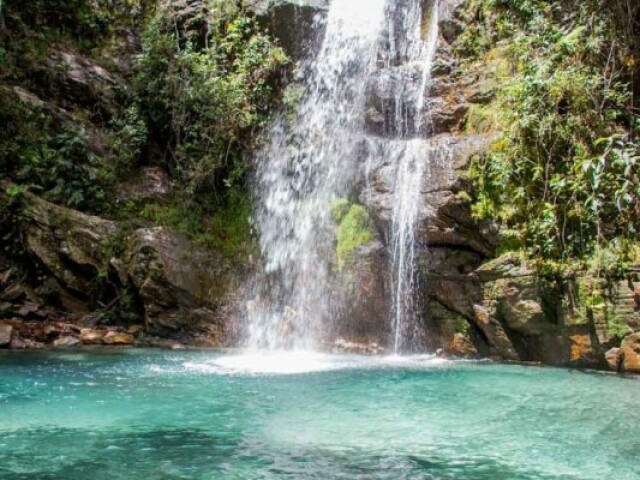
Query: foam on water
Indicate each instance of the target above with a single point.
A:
(298, 362)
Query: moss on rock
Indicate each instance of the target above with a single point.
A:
(355, 230)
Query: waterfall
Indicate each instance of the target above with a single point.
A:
(412, 156)
(311, 159)
(302, 170)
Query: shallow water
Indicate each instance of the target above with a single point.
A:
(208, 415)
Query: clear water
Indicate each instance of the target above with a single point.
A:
(215, 415)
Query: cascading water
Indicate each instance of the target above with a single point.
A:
(309, 163)
(305, 167)
(412, 156)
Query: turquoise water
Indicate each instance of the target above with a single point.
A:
(215, 415)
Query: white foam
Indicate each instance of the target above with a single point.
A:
(299, 362)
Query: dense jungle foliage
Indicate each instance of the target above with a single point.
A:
(563, 176)
(201, 82)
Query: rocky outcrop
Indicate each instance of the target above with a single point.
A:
(293, 22)
(511, 313)
(179, 286)
(473, 304)
(88, 263)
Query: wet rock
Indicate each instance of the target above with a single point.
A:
(631, 353)
(293, 22)
(118, 338)
(344, 346)
(359, 288)
(6, 332)
(66, 341)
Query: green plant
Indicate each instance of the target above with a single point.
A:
(564, 177)
(130, 136)
(55, 163)
(206, 89)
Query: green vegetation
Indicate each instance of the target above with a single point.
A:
(205, 87)
(564, 177)
(191, 102)
(355, 229)
(53, 161)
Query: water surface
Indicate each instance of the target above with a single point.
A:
(208, 415)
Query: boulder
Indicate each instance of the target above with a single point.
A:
(72, 245)
(66, 341)
(6, 332)
(91, 337)
(581, 349)
(118, 338)
(631, 353)
(462, 346)
(177, 283)
(613, 358)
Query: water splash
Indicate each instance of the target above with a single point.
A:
(304, 167)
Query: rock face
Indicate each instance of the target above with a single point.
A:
(178, 285)
(473, 304)
(175, 288)
(293, 22)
